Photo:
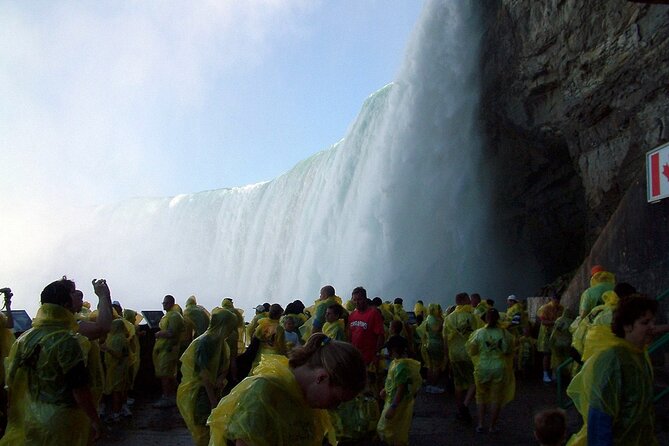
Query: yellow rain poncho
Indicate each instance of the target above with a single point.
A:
(432, 342)
(268, 409)
(205, 360)
(117, 362)
(601, 313)
(134, 359)
(481, 309)
(235, 339)
(166, 350)
(196, 316)
(616, 380)
(491, 350)
(355, 419)
(549, 312)
(560, 340)
(396, 430)
(599, 283)
(38, 362)
(419, 310)
(272, 338)
(7, 339)
(458, 326)
(399, 313)
(335, 330)
(605, 316)
(515, 319)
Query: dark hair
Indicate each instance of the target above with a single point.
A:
(275, 311)
(490, 302)
(624, 289)
(629, 310)
(338, 310)
(377, 301)
(492, 317)
(329, 290)
(266, 305)
(298, 306)
(58, 292)
(169, 298)
(396, 327)
(550, 426)
(341, 360)
(398, 300)
(397, 344)
(360, 291)
(461, 298)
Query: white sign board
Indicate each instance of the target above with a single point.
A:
(657, 168)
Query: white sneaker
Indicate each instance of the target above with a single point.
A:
(438, 389)
(125, 411)
(130, 401)
(547, 378)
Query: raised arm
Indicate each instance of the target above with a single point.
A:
(100, 327)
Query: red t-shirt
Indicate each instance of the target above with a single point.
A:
(366, 327)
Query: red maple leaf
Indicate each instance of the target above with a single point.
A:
(665, 171)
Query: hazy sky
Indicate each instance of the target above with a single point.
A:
(103, 101)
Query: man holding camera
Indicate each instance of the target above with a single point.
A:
(47, 375)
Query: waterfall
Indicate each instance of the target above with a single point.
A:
(397, 205)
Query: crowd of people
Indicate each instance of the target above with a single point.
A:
(332, 372)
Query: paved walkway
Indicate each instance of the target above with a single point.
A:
(433, 424)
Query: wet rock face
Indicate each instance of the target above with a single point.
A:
(574, 94)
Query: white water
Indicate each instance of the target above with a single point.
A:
(395, 206)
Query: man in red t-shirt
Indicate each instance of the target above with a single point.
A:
(366, 326)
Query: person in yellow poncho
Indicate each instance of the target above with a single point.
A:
(560, 340)
(134, 319)
(432, 347)
(47, 376)
(166, 351)
(117, 366)
(270, 334)
(335, 326)
(204, 366)
(282, 404)
(402, 384)
(419, 311)
(613, 392)
(480, 306)
(491, 350)
(236, 339)
(600, 282)
(196, 316)
(458, 326)
(548, 314)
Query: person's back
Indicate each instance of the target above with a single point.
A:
(196, 316)
(458, 326)
(48, 377)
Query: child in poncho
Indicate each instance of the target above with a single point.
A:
(402, 385)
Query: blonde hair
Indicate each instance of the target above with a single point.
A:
(342, 361)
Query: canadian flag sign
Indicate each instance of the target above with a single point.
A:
(657, 168)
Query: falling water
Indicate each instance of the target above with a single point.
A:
(396, 206)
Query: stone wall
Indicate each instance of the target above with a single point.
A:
(574, 94)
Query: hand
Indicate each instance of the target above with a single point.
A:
(101, 289)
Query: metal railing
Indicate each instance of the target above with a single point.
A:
(656, 345)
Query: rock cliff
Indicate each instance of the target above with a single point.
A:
(574, 94)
